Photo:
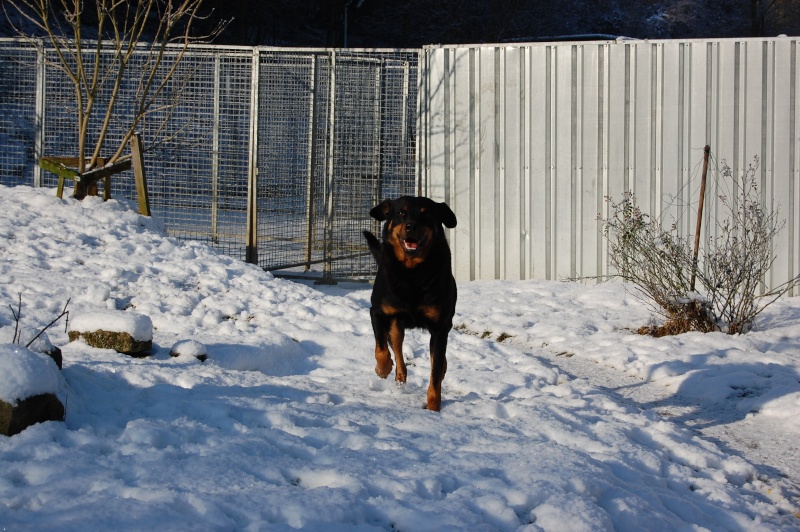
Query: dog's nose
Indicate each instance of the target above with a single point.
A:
(410, 227)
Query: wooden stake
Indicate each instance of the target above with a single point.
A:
(138, 172)
(699, 226)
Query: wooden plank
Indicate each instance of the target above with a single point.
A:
(57, 166)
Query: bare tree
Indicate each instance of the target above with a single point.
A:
(153, 35)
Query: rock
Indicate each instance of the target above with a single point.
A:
(191, 348)
(29, 411)
(55, 353)
(28, 386)
(38, 344)
(43, 345)
(124, 332)
(121, 342)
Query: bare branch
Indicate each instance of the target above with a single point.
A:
(64, 312)
(17, 316)
(98, 70)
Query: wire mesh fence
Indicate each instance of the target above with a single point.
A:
(18, 115)
(273, 156)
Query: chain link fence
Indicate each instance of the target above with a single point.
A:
(271, 156)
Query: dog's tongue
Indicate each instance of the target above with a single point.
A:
(410, 245)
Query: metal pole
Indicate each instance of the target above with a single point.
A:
(706, 150)
(215, 155)
(311, 159)
(404, 121)
(327, 273)
(38, 141)
(378, 162)
(251, 249)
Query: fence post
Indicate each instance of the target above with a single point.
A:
(311, 158)
(404, 119)
(327, 271)
(251, 249)
(38, 141)
(215, 155)
(378, 162)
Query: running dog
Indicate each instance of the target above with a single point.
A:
(414, 286)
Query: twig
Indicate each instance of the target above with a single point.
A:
(16, 318)
(64, 312)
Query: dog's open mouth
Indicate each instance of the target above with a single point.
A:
(412, 245)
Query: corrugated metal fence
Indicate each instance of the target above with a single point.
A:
(525, 142)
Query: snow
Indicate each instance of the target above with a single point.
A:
(555, 415)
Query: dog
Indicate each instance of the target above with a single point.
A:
(414, 286)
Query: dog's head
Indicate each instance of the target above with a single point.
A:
(413, 226)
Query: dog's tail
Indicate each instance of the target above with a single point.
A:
(374, 245)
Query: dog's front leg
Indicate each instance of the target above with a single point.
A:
(396, 336)
(383, 359)
(438, 369)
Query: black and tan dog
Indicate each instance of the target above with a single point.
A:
(414, 286)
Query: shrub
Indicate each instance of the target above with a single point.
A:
(730, 268)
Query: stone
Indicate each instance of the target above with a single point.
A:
(191, 348)
(14, 418)
(29, 382)
(121, 342)
(130, 333)
(55, 354)
(39, 342)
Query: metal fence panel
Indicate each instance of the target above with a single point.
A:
(525, 142)
(315, 137)
(18, 140)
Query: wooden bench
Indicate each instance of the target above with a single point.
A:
(86, 182)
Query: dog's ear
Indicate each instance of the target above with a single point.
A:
(381, 211)
(446, 215)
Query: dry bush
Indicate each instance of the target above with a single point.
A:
(730, 268)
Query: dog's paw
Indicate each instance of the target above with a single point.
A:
(434, 404)
(383, 370)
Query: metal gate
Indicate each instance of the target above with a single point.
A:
(273, 156)
(335, 134)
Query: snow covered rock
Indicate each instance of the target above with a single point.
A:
(40, 344)
(124, 332)
(190, 348)
(28, 386)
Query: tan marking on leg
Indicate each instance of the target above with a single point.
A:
(431, 312)
(389, 310)
(384, 361)
(396, 336)
(438, 369)
(434, 397)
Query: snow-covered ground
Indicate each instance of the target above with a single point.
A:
(572, 422)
